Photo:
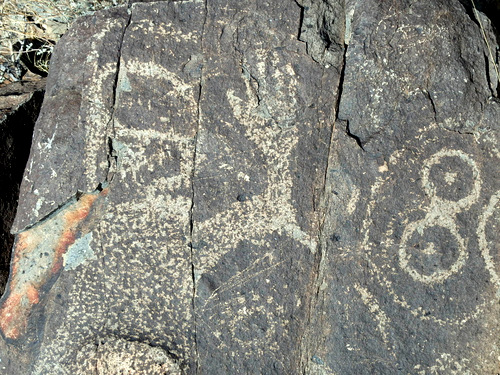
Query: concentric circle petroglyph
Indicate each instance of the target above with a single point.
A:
(418, 229)
(420, 252)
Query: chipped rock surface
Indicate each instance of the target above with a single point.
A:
(15, 125)
(257, 187)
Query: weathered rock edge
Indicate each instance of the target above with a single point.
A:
(257, 199)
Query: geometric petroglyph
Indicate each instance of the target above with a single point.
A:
(154, 163)
(160, 149)
(421, 253)
(440, 217)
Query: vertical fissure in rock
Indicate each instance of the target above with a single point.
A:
(353, 136)
(490, 9)
(339, 98)
(191, 245)
(307, 339)
(497, 94)
(112, 153)
(433, 105)
(493, 81)
(492, 12)
(301, 18)
(193, 172)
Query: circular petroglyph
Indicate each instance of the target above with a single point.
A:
(451, 177)
(430, 249)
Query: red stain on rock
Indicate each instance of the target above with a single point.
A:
(51, 238)
(32, 293)
(8, 315)
(66, 240)
(72, 219)
(84, 204)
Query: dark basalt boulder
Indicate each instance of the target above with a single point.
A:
(262, 187)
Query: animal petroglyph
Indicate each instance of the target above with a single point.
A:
(272, 210)
(244, 249)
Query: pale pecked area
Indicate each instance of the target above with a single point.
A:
(261, 187)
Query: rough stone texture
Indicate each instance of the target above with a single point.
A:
(76, 115)
(262, 188)
(14, 95)
(409, 277)
(16, 127)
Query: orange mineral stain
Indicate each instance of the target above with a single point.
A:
(33, 295)
(66, 240)
(9, 312)
(51, 238)
(12, 313)
(71, 221)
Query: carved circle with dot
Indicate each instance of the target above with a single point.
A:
(426, 246)
(432, 249)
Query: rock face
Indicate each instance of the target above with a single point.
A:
(262, 187)
(18, 114)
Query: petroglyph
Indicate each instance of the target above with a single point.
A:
(96, 118)
(133, 147)
(370, 301)
(425, 238)
(244, 231)
(440, 213)
(489, 246)
(151, 70)
(146, 244)
(256, 238)
(73, 133)
(115, 355)
(271, 211)
(143, 235)
(96, 112)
